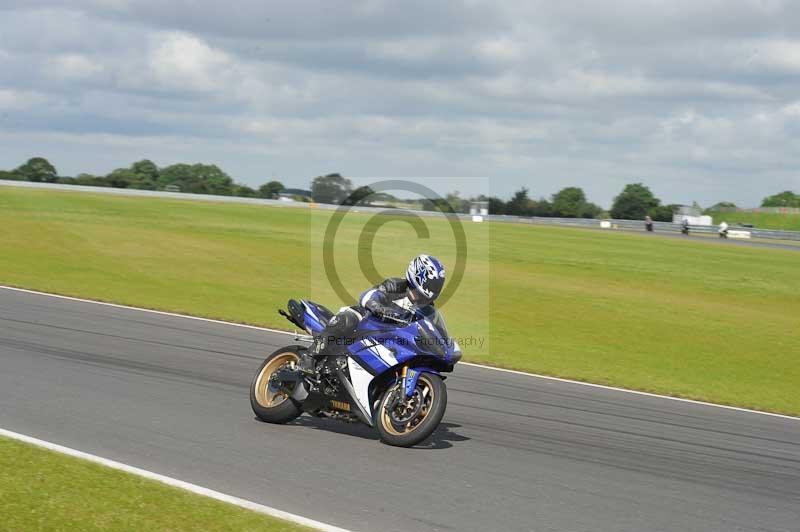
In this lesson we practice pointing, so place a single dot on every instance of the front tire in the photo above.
(395, 428)
(269, 403)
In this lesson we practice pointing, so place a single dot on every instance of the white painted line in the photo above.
(636, 392)
(199, 490)
(140, 309)
(533, 375)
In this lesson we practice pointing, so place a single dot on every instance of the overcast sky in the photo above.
(699, 100)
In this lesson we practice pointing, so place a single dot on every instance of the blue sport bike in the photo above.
(387, 375)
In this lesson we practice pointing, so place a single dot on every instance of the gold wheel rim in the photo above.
(428, 396)
(264, 396)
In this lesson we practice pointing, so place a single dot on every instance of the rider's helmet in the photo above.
(425, 276)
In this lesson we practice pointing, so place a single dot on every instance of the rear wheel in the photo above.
(406, 421)
(269, 402)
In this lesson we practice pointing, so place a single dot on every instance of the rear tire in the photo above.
(433, 394)
(269, 404)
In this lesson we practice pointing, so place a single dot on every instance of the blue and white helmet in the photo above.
(425, 275)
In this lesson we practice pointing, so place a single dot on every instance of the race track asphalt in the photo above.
(170, 395)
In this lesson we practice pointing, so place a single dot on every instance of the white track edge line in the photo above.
(127, 307)
(636, 392)
(198, 490)
(492, 368)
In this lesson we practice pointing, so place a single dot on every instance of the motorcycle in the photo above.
(387, 376)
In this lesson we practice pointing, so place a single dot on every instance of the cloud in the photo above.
(15, 100)
(72, 67)
(697, 99)
(777, 54)
(181, 61)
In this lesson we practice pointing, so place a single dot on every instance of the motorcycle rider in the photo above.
(393, 300)
(685, 226)
(723, 229)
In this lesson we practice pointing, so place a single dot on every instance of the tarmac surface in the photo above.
(514, 452)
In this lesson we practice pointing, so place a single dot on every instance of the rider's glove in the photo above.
(393, 285)
(391, 312)
(397, 314)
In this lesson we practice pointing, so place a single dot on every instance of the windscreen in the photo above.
(435, 317)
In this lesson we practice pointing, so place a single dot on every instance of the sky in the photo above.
(698, 100)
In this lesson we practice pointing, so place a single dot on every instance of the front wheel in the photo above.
(406, 421)
(269, 402)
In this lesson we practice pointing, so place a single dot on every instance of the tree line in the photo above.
(634, 202)
(786, 198)
(145, 175)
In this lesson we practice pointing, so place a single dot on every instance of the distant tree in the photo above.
(271, 189)
(662, 213)
(332, 188)
(175, 174)
(569, 202)
(457, 203)
(520, 204)
(37, 169)
(437, 204)
(244, 191)
(90, 180)
(359, 195)
(496, 205)
(591, 210)
(784, 199)
(141, 175)
(383, 196)
(214, 180)
(12, 176)
(542, 208)
(722, 206)
(634, 202)
(197, 179)
(121, 178)
(145, 175)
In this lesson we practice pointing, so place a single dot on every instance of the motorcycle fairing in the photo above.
(315, 316)
(361, 379)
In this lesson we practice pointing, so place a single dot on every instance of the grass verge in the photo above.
(702, 320)
(47, 491)
(761, 220)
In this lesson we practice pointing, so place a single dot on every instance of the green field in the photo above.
(694, 319)
(761, 220)
(47, 491)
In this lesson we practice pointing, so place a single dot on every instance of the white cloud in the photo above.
(793, 109)
(537, 93)
(16, 100)
(182, 61)
(408, 50)
(777, 54)
(73, 67)
(503, 49)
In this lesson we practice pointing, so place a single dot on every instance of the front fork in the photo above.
(410, 376)
(407, 382)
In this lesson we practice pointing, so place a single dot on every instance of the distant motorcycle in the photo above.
(685, 228)
(388, 377)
